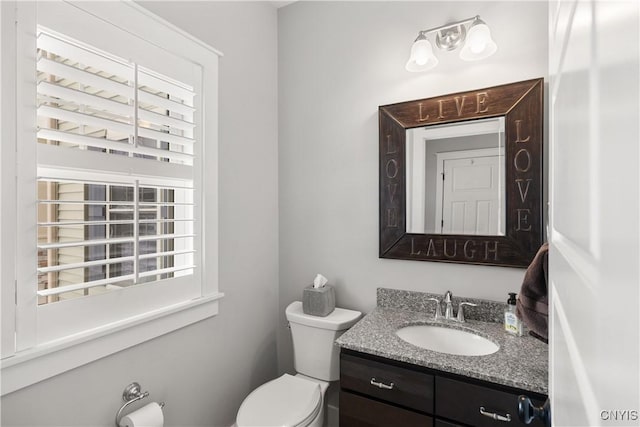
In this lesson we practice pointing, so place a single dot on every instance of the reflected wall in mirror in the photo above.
(461, 176)
(455, 178)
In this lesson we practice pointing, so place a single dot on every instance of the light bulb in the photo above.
(421, 51)
(479, 44)
(422, 57)
(478, 38)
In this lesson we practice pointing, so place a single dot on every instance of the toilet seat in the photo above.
(285, 401)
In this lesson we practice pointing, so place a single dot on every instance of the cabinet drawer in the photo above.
(409, 388)
(462, 402)
(440, 423)
(358, 411)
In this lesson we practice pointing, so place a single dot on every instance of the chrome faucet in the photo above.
(461, 310)
(448, 310)
(438, 311)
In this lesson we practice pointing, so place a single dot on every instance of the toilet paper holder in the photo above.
(132, 393)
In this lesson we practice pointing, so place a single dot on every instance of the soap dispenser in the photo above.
(512, 324)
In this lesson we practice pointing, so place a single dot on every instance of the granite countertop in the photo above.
(521, 362)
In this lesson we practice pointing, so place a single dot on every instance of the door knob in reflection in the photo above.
(528, 412)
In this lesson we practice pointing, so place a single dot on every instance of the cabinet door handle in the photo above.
(381, 385)
(505, 418)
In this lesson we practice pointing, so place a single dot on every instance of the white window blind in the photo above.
(103, 227)
(89, 99)
(110, 159)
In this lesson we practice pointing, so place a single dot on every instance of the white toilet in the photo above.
(298, 401)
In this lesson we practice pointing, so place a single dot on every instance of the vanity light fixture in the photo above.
(472, 33)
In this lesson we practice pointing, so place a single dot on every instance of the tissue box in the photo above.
(318, 301)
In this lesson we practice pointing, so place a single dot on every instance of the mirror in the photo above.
(461, 176)
(455, 178)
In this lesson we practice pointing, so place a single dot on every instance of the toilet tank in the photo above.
(314, 352)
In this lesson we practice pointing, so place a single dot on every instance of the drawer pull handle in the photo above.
(505, 418)
(381, 385)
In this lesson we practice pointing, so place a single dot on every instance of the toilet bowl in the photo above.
(295, 401)
(299, 401)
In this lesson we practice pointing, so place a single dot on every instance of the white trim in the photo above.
(84, 285)
(60, 319)
(104, 11)
(131, 36)
(92, 141)
(7, 175)
(64, 163)
(27, 299)
(461, 129)
(416, 183)
(206, 176)
(174, 28)
(34, 365)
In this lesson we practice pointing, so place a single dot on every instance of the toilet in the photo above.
(298, 401)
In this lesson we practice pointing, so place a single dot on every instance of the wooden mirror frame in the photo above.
(521, 104)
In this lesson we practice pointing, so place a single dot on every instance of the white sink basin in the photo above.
(447, 340)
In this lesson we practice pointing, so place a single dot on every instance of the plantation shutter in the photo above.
(116, 205)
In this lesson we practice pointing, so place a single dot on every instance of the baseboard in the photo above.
(332, 419)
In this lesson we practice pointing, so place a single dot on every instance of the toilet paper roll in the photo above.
(149, 415)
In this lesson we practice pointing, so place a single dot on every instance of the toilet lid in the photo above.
(285, 401)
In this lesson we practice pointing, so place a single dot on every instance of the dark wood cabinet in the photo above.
(441, 423)
(375, 391)
(360, 411)
(473, 404)
(383, 381)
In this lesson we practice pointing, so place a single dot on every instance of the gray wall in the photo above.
(298, 147)
(338, 61)
(205, 370)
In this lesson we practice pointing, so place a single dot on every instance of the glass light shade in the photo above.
(479, 44)
(422, 57)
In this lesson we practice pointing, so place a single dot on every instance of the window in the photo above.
(115, 124)
(97, 236)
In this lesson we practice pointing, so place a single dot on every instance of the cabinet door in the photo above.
(358, 411)
(406, 387)
(477, 405)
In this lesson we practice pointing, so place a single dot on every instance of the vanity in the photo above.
(386, 381)
(460, 181)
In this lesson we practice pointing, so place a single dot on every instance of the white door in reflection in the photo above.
(471, 192)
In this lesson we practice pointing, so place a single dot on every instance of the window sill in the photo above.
(34, 365)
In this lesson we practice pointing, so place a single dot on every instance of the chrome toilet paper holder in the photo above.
(132, 393)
